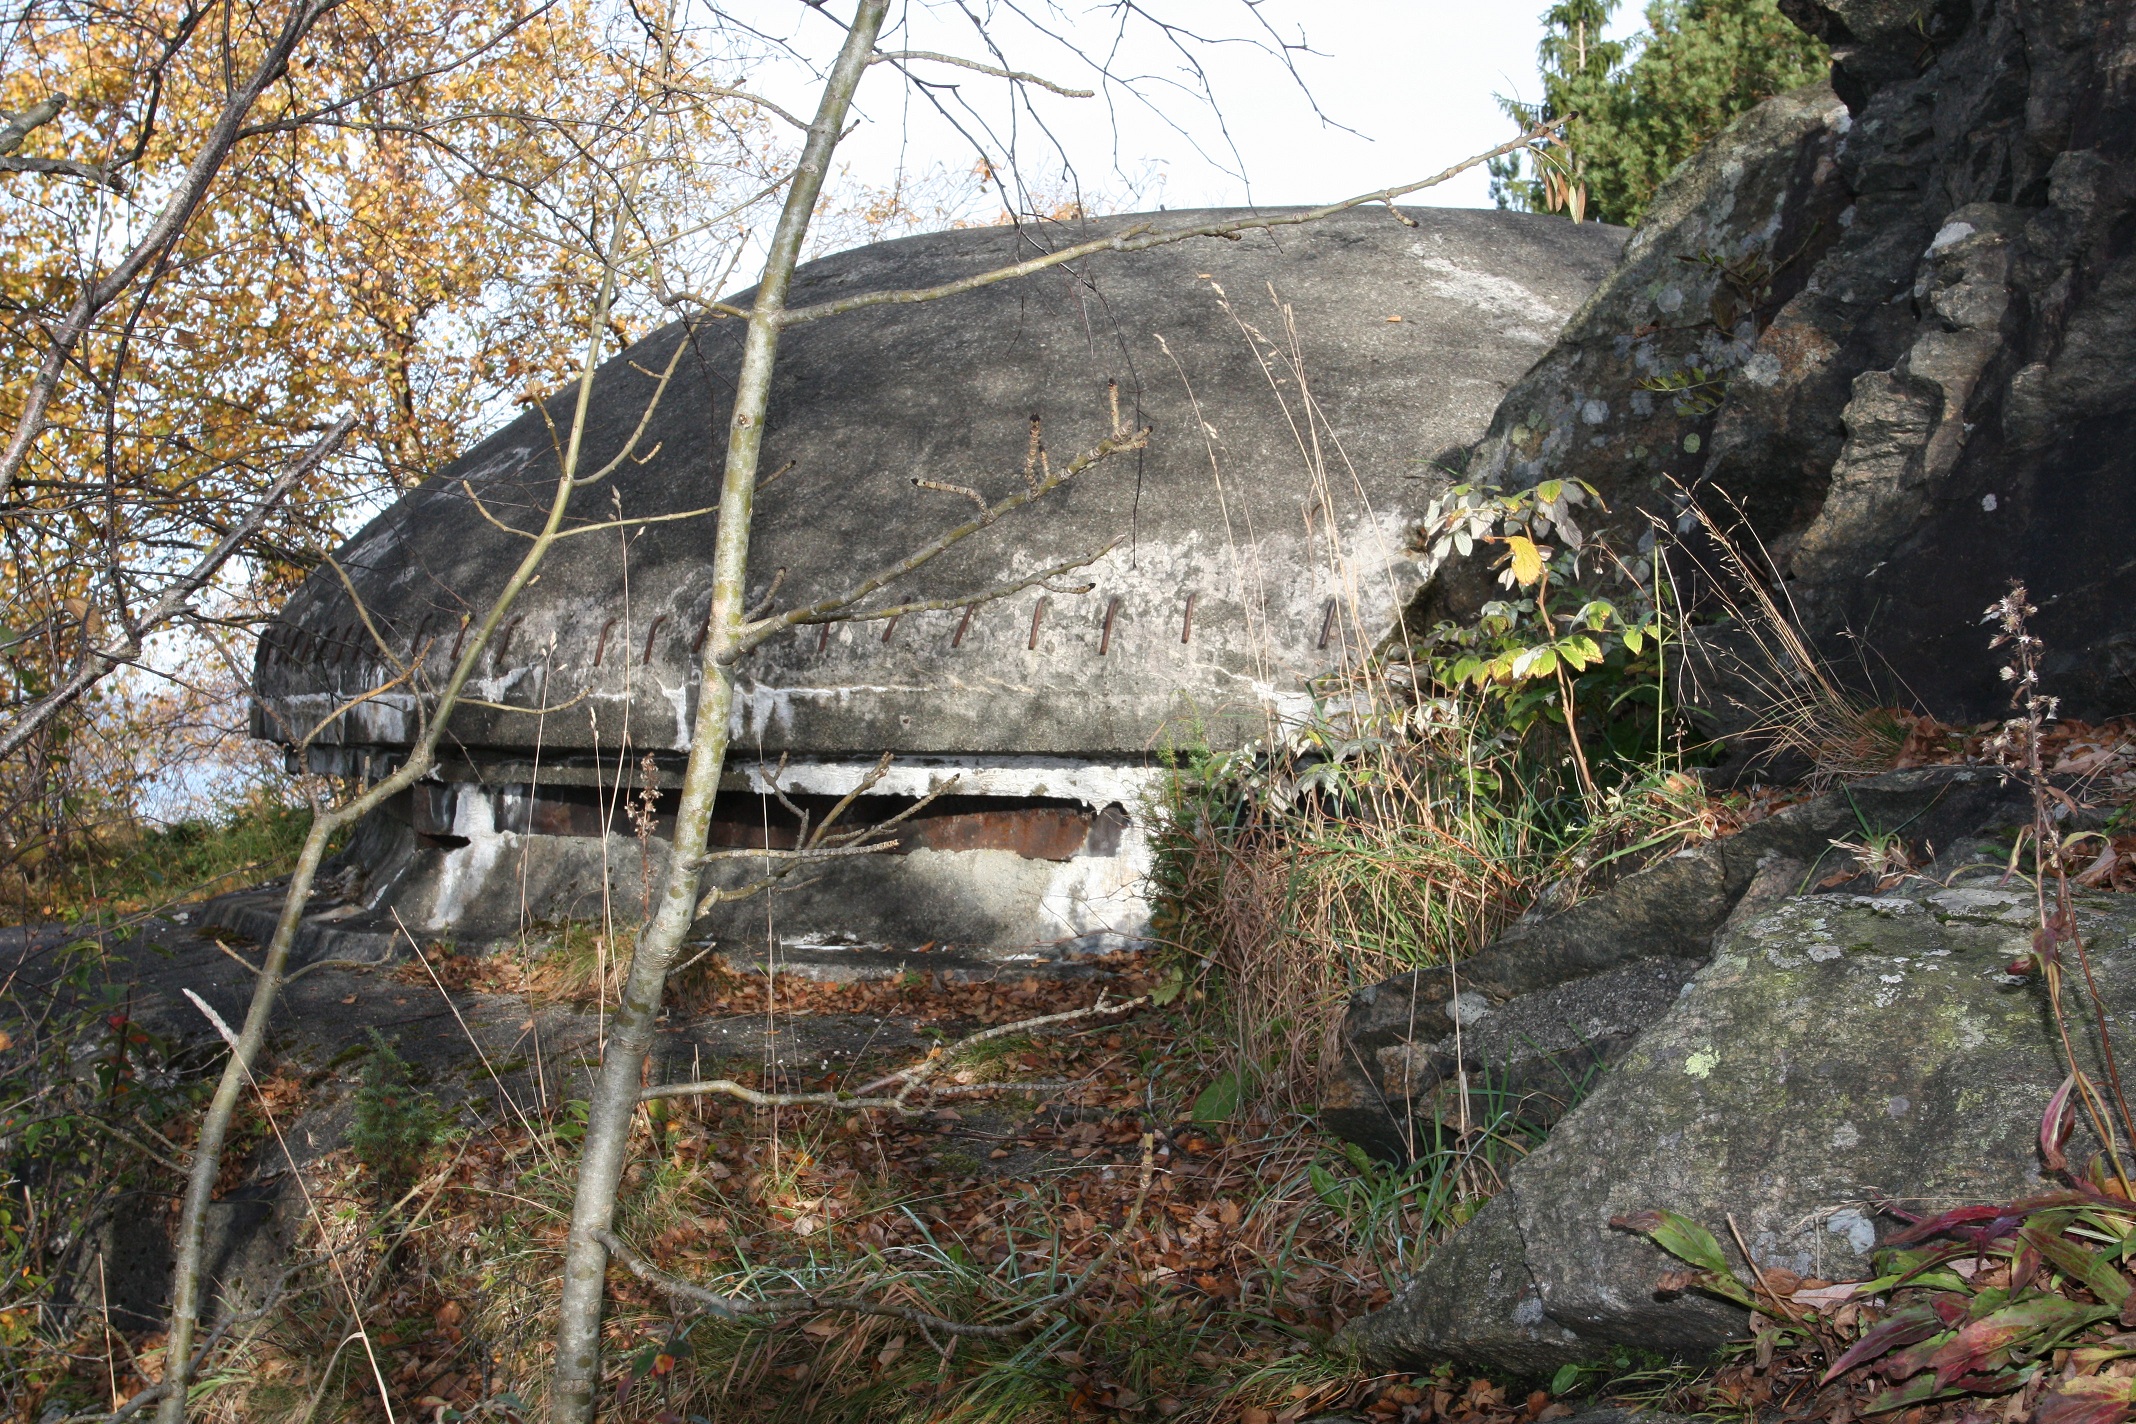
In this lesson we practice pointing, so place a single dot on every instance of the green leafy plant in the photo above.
(1569, 640)
(2028, 1299)
(1698, 391)
(1433, 792)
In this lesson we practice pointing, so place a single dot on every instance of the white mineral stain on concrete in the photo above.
(759, 708)
(467, 873)
(1095, 784)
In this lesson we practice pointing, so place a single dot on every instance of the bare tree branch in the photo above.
(381, 690)
(34, 117)
(63, 168)
(326, 821)
(95, 666)
(171, 221)
(613, 1099)
(1147, 235)
(913, 1077)
(834, 609)
(820, 844)
(973, 599)
(900, 56)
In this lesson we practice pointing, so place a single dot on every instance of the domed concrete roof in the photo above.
(1301, 387)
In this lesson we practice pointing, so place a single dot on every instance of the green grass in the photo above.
(1382, 840)
(130, 868)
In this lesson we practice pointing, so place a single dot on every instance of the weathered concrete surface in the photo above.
(1261, 539)
(1405, 337)
(1559, 995)
(1047, 877)
(1901, 320)
(1838, 1051)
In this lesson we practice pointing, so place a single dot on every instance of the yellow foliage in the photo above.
(1527, 559)
(400, 233)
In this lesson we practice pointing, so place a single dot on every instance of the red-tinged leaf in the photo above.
(1979, 1348)
(1923, 1387)
(1924, 1271)
(2034, 1325)
(2001, 1382)
(1914, 1359)
(2054, 1409)
(2057, 1123)
(2080, 1263)
(2023, 1268)
(1985, 1223)
(1918, 1390)
(1947, 1223)
(1908, 1326)
(2090, 1400)
(2044, 940)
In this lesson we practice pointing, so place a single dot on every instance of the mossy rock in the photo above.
(1838, 1052)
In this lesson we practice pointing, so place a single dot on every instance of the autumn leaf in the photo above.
(1527, 559)
(1911, 1325)
(2093, 1399)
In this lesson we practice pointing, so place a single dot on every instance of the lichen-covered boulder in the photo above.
(1838, 1052)
(1530, 1019)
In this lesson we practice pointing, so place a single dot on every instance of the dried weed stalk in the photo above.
(2017, 746)
(1776, 677)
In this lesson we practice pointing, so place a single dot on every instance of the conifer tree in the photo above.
(1637, 109)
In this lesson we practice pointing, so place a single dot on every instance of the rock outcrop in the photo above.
(1528, 1022)
(1893, 318)
(1838, 1051)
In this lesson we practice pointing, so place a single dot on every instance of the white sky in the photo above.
(1414, 79)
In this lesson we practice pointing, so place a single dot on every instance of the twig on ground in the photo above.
(913, 1077)
(1816, 1340)
(291, 978)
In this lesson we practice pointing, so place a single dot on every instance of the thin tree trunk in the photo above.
(244, 1051)
(615, 1094)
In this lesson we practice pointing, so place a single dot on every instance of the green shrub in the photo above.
(397, 1123)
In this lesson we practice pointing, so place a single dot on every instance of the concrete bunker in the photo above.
(1306, 389)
